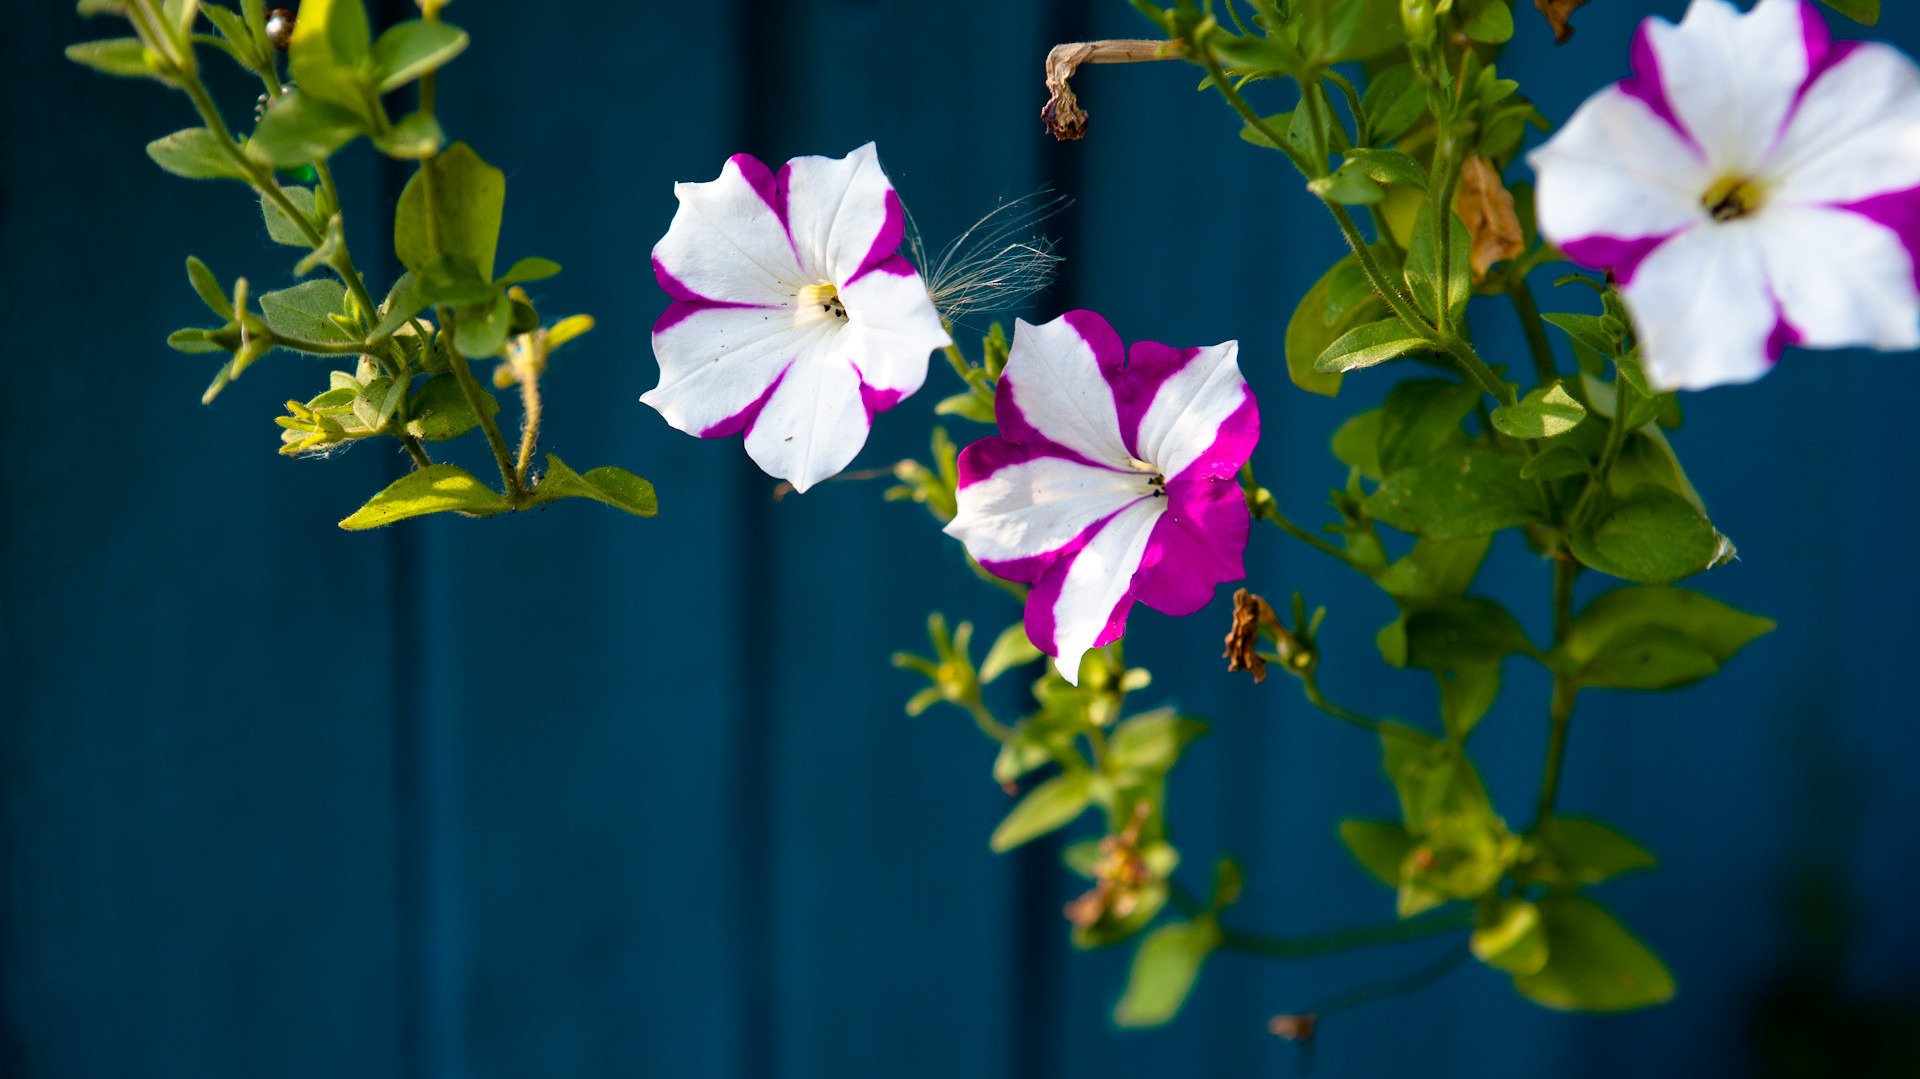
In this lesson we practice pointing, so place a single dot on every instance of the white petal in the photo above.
(892, 327)
(815, 423)
(1732, 79)
(1702, 309)
(1062, 392)
(1038, 506)
(836, 208)
(717, 361)
(1098, 580)
(1184, 419)
(1857, 133)
(1617, 170)
(727, 244)
(1841, 279)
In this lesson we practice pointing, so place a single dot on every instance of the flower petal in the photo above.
(726, 242)
(892, 327)
(843, 214)
(1841, 279)
(1732, 79)
(1195, 393)
(1019, 508)
(1055, 387)
(1081, 602)
(1197, 544)
(1614, 172)
(816, 420)
(1701, 306)
(717, 363)
(1856, 134)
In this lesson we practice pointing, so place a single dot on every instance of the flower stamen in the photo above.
(819, 300)
(1732, 198)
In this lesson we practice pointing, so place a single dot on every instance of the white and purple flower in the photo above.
(794, 317)
(1113, 480)
(1754, 184)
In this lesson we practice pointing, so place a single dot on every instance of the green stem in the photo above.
(1565, 689)
(1411, 982)
(530, 423)
(1535, 329)
(1388, 289)
(463, 374)
(1433, 924)
(1310, 685)
(1477, 368)
(988, 725)
(1309, 538)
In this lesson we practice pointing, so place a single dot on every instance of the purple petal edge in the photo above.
(882, 253)
(743, 420)
(1648, 85)
(1899, 213)
(1620, 256)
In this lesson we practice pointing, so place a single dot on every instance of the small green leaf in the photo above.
(195, 153)
(415, 136)
(1379, 847)
(1461, 634)
(968, 405)
(1557, 462)
(528, 269)
(439, 411)
(1577, 851)
(471, 195)
(282, 229)
(1434, 571)
(305, 312)
(1152, 742)
(1330, 308)
(1389, 167)
(1545, 413)
(1491, 25)
(1866, 12)
(1454, 495)
(614, 486)
(1047, 807)
(1395, 101)
(1421, 417)
(207, 287)
(1357, 443)
(413, 48)
(1467, 693)
(1432, 288)
(1653, 536)
(1348, 185)
(122, 57)
(1366, 346)
(482, 331)
(330, 52)
(1655, 638)
(1164, 969)
(1592, 332)
(440, 488)
(1514, 940)
(299, 130)
(1593, 963)
(1011, 649)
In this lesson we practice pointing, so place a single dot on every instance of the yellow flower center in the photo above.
(1733, 197)
(819, 300)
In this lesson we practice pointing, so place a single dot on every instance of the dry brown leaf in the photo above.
(1062, 114)
(1250, 612)
(1557, 13)
(1485, 206)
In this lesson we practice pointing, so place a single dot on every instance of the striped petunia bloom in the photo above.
(1754, 184)
(794, 317)
(1113, 480)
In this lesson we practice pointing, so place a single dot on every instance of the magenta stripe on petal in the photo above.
(1619, 255)
(1233, 445)
(1149, 365)
(1015, 427)
(1898, 211)
(897, 265)
(1648, 85)
(877, 400)
(1196, 545)
(893, 229)
(1048, 575)
(744, 419)
(1784, 333)
(761, 179)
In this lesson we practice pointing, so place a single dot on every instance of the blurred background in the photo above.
(578, 794)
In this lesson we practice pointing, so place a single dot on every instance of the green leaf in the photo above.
(415, 136)
(207, 287)
(330, 54)
(1432, 289)
(529, 269)
(1366, 346)
(482, 331)
(299, 130)
(1454, 495)
(1430, 776)
(1492, 24)
(195, 153)
(1348, 185)
(1421, 417)
(304, 312)
(614, 486)
(1580, 852)
(235, 30)
(440, 488)
(1597, 334)
(1047, 807)
(1866, 12)
(1152, 742)
(1395, 101)
(282, 229)
(123, 57)
(413, 48)
(1357, 443)
(1330, 308)
(968, 405)
(1556, 462)
(1653, 536)
(1389, 167)
(1379, 847)
(1545, 413)
(1593, 963)
(1164, 969)
(470, 195)
(439, 411)
(1435, 570)
(1514, 940)
(1655, 638)
(1467, 693)
(1462, 634)
(1011, 649)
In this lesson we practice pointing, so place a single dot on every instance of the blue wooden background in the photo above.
(573, 794)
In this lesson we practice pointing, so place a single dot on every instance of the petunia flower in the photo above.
(794, 318)
(1112, 480)
(1753, 185)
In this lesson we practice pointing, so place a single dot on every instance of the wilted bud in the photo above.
(1250, 612)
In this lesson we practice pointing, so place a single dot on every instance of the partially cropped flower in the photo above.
(1753, 185)
(1112, 480)
(794, 318)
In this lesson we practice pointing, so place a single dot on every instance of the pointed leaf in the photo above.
(1374, 343)
(195, 153)
(1164, 969)
(614, 486)
(413, 48)
(1379, 847)
(1047, 807)
(469, 197)
(1593, 963)
(440, 488)
(123, 57)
